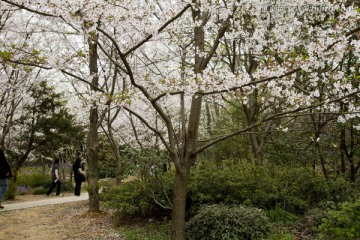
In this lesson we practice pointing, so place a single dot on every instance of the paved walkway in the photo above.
(44, 202)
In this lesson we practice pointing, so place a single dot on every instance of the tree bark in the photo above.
(116, 150)
(179, 204)
(182, 166)
(93, 138)
(208, 118)
(92, 171)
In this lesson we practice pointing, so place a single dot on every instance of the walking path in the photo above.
(44, 202)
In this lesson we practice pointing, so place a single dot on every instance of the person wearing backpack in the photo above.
(79, 175)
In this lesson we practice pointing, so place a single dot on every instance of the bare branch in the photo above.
(111, 58)
(149, 126)
(62, 70)
(21, 6)
(159, 30)
(275, 116)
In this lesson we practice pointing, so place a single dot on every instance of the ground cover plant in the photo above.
(293, 198)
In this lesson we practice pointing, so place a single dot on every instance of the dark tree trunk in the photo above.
(182, 166)
(179, 204)
(93, 138)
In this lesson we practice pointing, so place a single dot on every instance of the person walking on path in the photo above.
(5, 173)
(79, 175)
(55, 178)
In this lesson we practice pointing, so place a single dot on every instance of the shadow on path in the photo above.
(44, 202)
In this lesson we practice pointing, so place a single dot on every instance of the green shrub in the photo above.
(11, 191)
(150, 231)
(136, 198)
(278, 215)
(40, 190)
(31, 180)
(237, 184)
(300, 188)
(129, 199)
(341, 190)
(309, 223)
(217, 222)
(281, 236)
(66, 186)
(343, 224)
(293, 189)
(107, 164)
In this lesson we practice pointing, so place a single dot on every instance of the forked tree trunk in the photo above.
(182, 161)
(182, 166)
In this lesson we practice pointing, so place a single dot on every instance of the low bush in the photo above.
(22, 190)
(293, 189)
(217, 222)
(210, 184)
(278, 215)
(153, 230)
(129, 199)
(10, 193)
(281, 236)
(342, 224)
(140, 198)
(341, 190)
(39, 190)
(66, 186)
(308, 224)
(300, 188)
(31, 180)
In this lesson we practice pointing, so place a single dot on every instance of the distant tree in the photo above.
(45, 125)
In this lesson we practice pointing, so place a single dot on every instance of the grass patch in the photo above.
(281, 236)
(148, 231)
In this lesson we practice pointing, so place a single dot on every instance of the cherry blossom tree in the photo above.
(170, 52)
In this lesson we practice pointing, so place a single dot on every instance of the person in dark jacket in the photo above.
(55, 178)
(5, 173)
(79, 175)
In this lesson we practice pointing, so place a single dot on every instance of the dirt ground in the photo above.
(69, 221)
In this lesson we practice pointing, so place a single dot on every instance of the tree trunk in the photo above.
(181, 180)
(118, 170)
(116, 150)
(183, 163)
(342, 149)
(182, 166)
(179, 204)
(93, 138)
(352, 174)
(92, 171)
(257, 150)
(208, 118)
(322, 160)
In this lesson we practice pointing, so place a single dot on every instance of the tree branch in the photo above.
(275, 116)
(21, 6)
(159, 30)
(62, 70)
(111, 58)
(148, 126)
